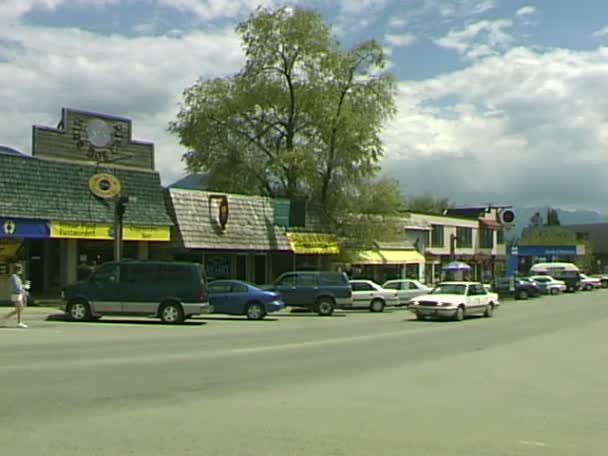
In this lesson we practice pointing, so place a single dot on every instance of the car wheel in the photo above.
(255, 311)
(459, 315)
(419, 316)
(377, 305)
(325, 307)
(171, 313)
(554, 291)
(489, 311)
(589, 287)
(522, 294)
(79, 311)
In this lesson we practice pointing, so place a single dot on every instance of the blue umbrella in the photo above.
(456, 266)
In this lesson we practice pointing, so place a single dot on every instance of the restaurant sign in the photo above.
(105, 231)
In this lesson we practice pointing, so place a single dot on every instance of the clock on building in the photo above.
(99, 133)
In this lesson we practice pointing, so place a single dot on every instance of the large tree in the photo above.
(427, 203)
(301, 119)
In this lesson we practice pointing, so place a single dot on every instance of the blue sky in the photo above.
(499, 100)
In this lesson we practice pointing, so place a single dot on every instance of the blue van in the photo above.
(172, 291)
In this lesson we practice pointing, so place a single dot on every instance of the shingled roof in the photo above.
(250, 222)
(46, 189)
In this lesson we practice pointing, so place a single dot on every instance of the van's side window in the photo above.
(108, 273)
(174, 274)
(138, 273)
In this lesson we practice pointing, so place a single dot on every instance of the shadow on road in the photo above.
(234, 318)
(114, 321)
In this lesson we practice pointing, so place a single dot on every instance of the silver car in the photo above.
(407, 289)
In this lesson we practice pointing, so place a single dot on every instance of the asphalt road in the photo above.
(530, 381)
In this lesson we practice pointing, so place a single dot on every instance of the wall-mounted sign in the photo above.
(104, 185)
(105, 231)
(9, 249)
(313, 243)
(92, 137)
(23, 228)
(219, 210)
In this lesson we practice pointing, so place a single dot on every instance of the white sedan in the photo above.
(367, 294)
(407, 289)
(590, 283)
(548, 284)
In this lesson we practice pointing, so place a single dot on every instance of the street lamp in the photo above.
(119, 212)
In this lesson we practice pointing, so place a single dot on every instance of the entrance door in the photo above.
(260, 269)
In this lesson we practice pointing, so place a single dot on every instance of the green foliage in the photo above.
(371, 214)
(548, 235)
(586, 262)
(552, 217)
(302, 119)
(427, 204)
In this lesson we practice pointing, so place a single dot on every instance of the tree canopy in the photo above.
(427, 204)
(302, 119)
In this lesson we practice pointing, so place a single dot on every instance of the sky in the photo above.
(499, 101)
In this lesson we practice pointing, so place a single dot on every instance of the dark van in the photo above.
(319, 291)
(172, 291)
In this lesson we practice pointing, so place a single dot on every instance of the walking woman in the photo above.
(18, 296)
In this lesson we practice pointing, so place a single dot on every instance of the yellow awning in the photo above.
(313, 243)
(386, 257)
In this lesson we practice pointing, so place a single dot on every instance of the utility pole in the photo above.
(119, 212)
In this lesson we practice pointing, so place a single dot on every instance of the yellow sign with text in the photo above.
(105, 231)
(9, 248)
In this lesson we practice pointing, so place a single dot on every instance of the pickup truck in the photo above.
(455, 300)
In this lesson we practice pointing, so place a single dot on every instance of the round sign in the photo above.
(507, 216)
(104, 185)
(99, 133)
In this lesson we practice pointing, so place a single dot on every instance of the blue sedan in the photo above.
(235, 297)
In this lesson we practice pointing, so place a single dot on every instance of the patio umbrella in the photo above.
(456, 266)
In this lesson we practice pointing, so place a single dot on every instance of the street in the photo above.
(530, 381)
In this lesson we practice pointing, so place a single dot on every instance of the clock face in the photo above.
(99, 133)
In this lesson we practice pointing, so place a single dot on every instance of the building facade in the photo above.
(58, 210)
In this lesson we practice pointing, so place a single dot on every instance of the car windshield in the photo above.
(450, 288)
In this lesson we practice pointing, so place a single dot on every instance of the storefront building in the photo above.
(57, 211)
(522, 257)
(250, 238)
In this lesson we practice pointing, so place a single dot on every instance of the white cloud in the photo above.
(398, 22)
(524, 126)
(400, 40)
(141, 78)
(526, 11)
(601, 33)
(463, 7)
(212, 9)
(479, 39)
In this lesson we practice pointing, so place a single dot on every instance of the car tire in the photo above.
(325, 307)
(554, 291)
(255, 311)
(489, 313)
(588, 287)
(419, 316)
(377, 305)
(522, 294)
(79, 311)
(459, 315)
(171, 313)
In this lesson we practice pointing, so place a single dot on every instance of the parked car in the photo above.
(568, 273)
(590, 283)
(407, 289)
(235, 297)
(549, 285)
(516, 287)
(172, 291)
(319, 291)
(368, 294)
(455, 300)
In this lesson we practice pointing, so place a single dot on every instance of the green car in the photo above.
(172, 291)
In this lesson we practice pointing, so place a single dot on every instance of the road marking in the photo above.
(199, 354)
(538, 444)
(320, 343)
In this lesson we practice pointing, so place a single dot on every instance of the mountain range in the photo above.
(566, 217)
